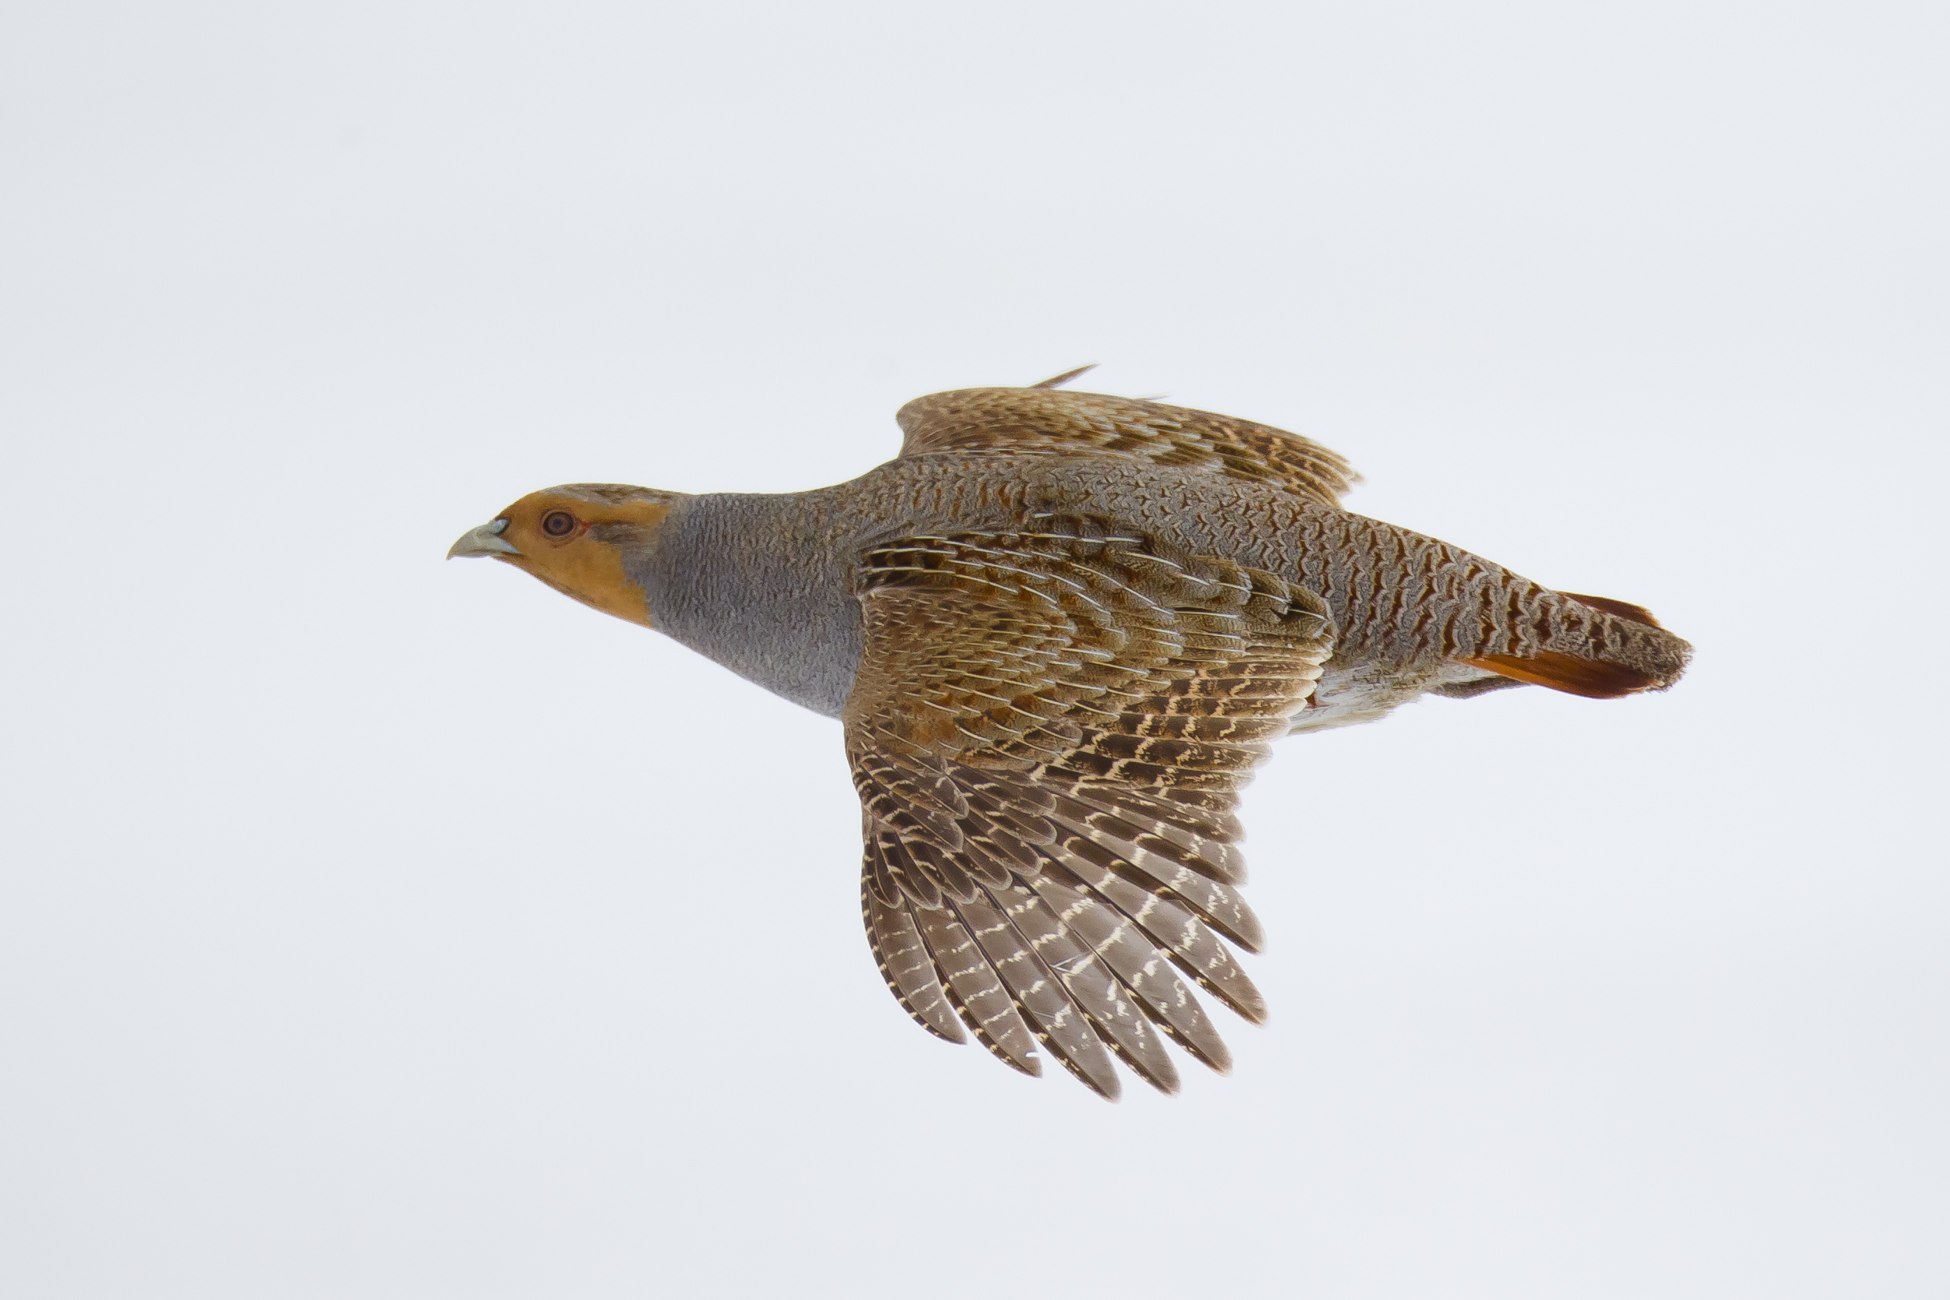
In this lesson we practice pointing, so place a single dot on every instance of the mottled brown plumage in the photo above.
(1060, 630)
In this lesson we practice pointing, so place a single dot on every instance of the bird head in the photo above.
(577, 539)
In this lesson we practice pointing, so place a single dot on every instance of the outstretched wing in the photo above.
(1048, 733)
(1041, 419)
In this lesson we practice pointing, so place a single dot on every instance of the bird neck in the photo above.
(758, 582)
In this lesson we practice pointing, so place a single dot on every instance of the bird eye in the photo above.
(558, 523)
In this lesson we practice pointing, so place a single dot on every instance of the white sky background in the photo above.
(376, 927)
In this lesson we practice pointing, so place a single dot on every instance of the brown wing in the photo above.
(1041, 419)
(1048, 733)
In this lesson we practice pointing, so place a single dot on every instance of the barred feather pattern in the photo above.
(1032, 420)
(1048, 732)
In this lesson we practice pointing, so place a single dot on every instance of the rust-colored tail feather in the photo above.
(1595, 679)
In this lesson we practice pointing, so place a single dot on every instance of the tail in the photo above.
(1591, 646)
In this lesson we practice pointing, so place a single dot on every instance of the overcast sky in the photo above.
(375, 927)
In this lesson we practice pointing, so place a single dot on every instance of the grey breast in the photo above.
(759, 584)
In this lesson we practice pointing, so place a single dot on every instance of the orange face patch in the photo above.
(576, 539)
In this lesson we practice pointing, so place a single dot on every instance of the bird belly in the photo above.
(1353, 691)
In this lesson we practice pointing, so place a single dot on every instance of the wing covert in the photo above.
(1046, 421)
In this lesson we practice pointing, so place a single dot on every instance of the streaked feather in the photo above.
(1042, 998)
(908, 967)
(976, 989)
(1140, 966)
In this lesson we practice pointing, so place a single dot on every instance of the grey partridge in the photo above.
(1060, 630)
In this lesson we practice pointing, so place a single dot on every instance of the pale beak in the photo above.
(485, 540)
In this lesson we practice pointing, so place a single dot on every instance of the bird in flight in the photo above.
(1060, 630)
